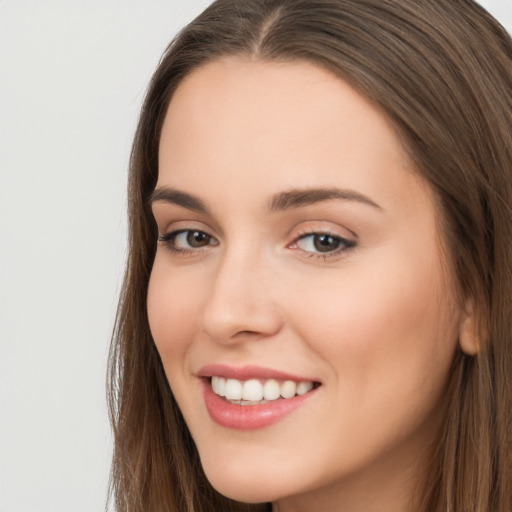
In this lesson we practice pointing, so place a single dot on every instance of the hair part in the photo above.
(441, 72)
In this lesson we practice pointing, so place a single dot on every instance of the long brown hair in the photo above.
(441, 71)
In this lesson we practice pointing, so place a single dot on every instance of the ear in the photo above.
(469, 338)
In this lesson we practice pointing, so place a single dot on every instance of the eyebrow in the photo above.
(282, 201)
(304, 197)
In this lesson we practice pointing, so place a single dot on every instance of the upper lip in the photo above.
(244, 373)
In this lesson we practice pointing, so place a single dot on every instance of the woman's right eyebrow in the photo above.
(179, 198)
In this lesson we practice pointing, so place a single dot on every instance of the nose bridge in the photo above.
(240, 299)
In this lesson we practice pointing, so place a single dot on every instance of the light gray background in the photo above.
(72, 76)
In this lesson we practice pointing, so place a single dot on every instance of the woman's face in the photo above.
(299, 257)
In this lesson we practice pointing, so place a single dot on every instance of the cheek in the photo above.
(173, 302)
(387, 342)
(389, 329)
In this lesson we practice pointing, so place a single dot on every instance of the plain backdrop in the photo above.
(72, 77)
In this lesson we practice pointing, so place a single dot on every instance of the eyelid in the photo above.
(346, 243)
(168, 238)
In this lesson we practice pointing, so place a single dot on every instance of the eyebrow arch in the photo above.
(173, 196)
(304, 197)
(282, 201)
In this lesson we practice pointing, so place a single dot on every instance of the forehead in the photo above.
(235, 121)
(271, 96)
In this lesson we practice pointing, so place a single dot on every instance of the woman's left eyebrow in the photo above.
(303, 197)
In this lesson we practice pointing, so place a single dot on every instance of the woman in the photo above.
(316, 313)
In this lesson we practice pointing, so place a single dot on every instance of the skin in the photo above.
(376, 324)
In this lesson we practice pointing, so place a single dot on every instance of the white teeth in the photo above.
(288, 389)
(271, 390)
(219, 385)
(233, 389)
(304, 387)
(254, 391)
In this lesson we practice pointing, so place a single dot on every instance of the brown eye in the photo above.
(187, 240)
(198, 238)
(323, 243)
(326, 243)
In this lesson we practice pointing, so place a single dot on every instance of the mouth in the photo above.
(252, 397)
(259, 391)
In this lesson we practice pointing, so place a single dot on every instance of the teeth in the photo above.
(252, 390)
(219, 386)
(255, 391)
(233, 389)
(271, 390)
(288, 389)
(304, 387)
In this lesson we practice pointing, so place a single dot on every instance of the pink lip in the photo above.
(248, 372)
(248, 417)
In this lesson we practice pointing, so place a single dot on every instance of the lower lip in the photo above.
(250, 417)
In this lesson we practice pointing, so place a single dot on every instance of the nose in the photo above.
(241, 302)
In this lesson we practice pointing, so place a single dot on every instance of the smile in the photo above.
(258, 391)
(252, 397)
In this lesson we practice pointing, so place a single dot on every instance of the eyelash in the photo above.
(343, 244)
(168, 240)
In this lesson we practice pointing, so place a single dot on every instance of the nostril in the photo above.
(248, 334)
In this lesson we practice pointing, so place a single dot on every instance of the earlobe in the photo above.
(469, 337)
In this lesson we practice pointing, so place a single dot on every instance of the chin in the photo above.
(243, 491)
(245, 485)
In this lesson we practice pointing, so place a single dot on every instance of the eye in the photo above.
(187, 240)
(322, 243)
